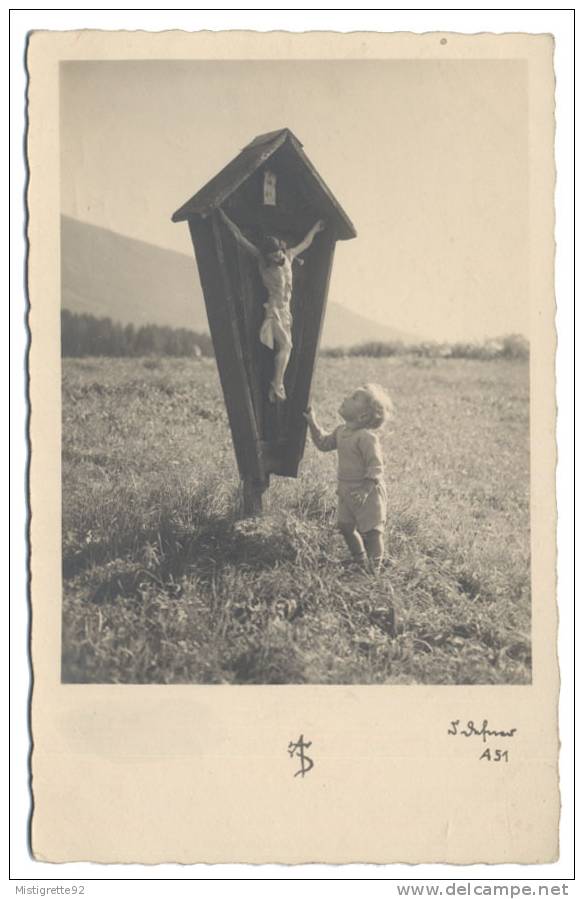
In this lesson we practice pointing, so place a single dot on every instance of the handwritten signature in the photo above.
(470, 729)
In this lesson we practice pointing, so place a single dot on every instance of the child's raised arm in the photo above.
(322, 441)
(241, 240)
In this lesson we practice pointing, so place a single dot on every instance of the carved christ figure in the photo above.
(275, 265)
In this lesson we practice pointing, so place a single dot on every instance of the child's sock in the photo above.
(355, 544)
(373, 541)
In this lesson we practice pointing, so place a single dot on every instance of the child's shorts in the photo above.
(370, 516)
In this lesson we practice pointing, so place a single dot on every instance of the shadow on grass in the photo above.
(169, 555)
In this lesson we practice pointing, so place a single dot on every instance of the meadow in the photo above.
(164, 583)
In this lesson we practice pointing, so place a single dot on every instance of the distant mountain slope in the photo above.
(342, 327)
(107, 274)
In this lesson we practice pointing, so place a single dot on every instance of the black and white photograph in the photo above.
(295, 343)
(292, 393)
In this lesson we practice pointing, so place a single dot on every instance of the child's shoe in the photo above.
(355, 563)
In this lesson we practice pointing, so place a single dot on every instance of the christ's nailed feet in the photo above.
(276, 394)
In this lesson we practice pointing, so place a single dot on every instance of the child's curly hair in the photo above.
(380, 405)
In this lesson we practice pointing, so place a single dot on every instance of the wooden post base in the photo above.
(253, 491)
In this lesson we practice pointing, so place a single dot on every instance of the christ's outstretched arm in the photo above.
(241, 240)
(304, 244)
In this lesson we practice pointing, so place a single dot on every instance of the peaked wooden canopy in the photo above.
(254, 155)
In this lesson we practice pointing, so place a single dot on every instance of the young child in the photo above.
(362, 500)
(274, 260)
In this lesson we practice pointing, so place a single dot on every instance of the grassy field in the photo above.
(163, 583)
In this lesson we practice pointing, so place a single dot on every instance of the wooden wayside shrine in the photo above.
(270, 188)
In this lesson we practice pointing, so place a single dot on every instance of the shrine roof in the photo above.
(248, 161)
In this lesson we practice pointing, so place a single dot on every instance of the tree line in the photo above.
(86, 335)
(509, 346)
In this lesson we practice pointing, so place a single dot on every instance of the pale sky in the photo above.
(428, 159)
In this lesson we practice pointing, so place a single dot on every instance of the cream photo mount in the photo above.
(209, 773)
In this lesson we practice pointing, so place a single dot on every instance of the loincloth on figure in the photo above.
(371, 515)
(276, 326)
